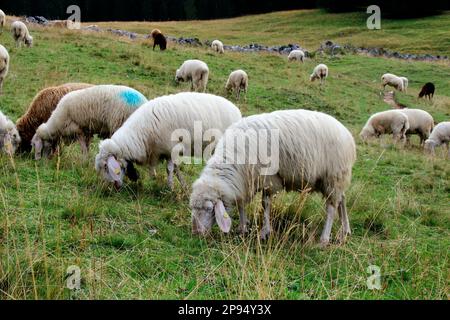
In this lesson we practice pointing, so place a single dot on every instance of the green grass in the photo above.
(310, 28)
(138, 244)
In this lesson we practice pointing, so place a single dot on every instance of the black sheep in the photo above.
(427, 90)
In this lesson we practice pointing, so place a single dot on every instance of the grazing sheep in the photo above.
(386, 122)
(159, 40)
(389, 79)
(314, 151)
(320, 72)
(420, 123)
(439, 136)
(217, 46)
(4, 65)
(21, 34)
(64, 24)
(81, 114)
(40, 110)
(427, 90)
(195, 71)
(9, 137)
(237, 81)
(405, 83)
(2, 21)
(298, 55)
(148, 135)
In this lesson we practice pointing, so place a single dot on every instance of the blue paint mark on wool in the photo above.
(133, 98)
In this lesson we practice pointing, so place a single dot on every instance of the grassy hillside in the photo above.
(138, 243)
(309, 28)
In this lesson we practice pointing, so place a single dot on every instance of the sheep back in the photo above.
(96, 110)
(147, 134)
(41, 109)
(315, 150)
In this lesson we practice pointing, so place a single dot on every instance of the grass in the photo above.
(137, 243)
(310, 28)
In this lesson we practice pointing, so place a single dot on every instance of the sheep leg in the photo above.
(243, 221)
(180, 177)
(344, 219)
(325, 237)
(84, 144)
(266, 229)
(170, 169)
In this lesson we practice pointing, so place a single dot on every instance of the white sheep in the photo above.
(439, 136)
(4, 65)
(320, 72)
(389, 79)
(195, 71)
(9, 136)
(313, 150)
(21, 34)
(80, 114)
(298, 55)
(420, 123)
(237, 81)
(2, 21)
(217, 46)
(152, 133)
(405, 83)
(386, 122)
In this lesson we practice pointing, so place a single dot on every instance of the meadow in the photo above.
(137, 243)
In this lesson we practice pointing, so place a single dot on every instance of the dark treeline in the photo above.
(160, 10)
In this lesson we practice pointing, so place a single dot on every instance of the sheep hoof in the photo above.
(265, 233)
(243, 229)
(324, 243)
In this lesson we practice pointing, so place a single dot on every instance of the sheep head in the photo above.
(9, 140)
(179, 76)
(207, 208)
(110, 165)
(29, 41)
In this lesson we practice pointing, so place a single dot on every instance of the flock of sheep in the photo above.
(315, 150)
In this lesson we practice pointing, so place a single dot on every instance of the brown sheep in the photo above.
(159, 39)
(40, 110)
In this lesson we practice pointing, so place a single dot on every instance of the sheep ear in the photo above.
(222, 217)
(114, 168)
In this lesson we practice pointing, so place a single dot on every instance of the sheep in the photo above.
(217, 46)
(21, 34)
(40, 110)
(298, 55)
(195, 71)
(320, 72)
(405, 83)
(427, 90)
(386, 122)
(9, 137)
(64, 24)
(314, 151)
(393, 81)
(237, 81)
(439, 136)
(2, 21)
(4, 65)
(420, 123)
(159, 39)
(149, 134)
(81, 114)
